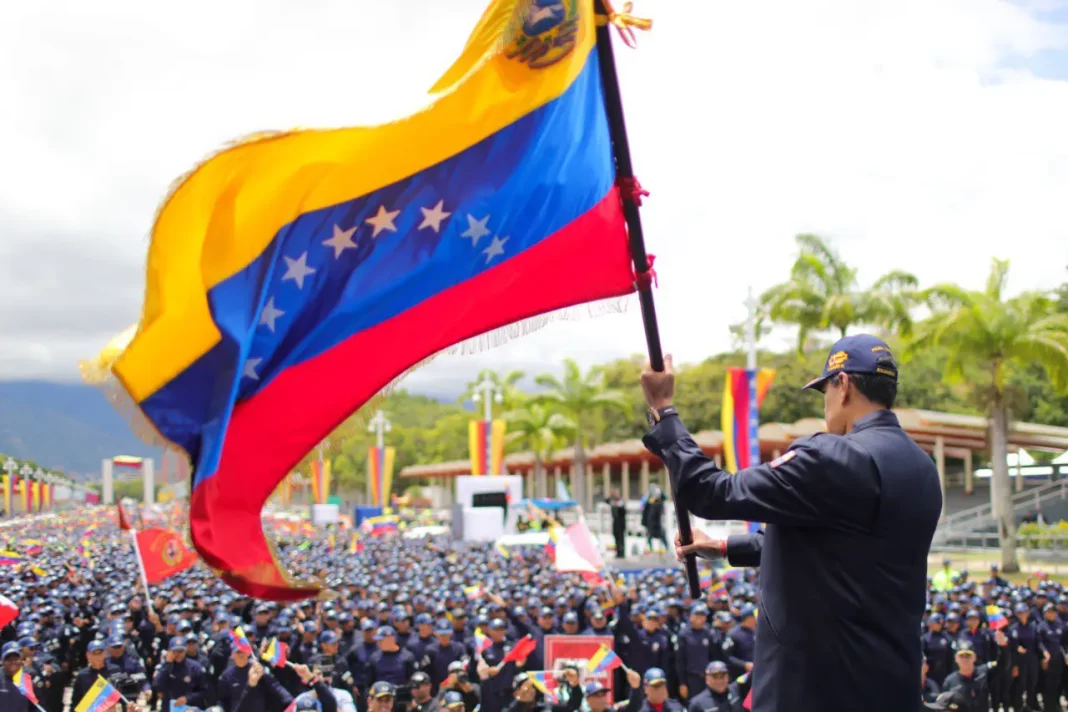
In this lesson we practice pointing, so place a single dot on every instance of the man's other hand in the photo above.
(704, 546)
(659, 386)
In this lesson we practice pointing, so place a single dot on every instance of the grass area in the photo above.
(978, 563)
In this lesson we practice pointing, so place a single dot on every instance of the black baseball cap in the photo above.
(383, 689)
(861, 354)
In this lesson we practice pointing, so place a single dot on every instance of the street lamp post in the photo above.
(751, 305)
(487, 392)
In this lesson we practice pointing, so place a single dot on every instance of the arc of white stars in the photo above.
(476, 229)
(249, 370)
(297, 269)
(433, 217)
(270, 314)
(341, 240)
(495, 249)
(383, 220)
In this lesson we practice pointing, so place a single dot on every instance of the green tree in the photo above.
(538, 429)
(987, 337)
(582, 397)
(821, 294)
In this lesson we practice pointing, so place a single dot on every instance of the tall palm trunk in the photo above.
(541, 487)
(1000, 487)
(578, 479)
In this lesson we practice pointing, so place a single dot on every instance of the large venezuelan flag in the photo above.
(324, 264)
(743, 392)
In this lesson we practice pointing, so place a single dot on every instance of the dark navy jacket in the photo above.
(236, 696)
(843, 559)
(184, 679)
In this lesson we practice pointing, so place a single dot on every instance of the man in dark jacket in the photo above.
(11, 698)
(850, 516)
(246, 686)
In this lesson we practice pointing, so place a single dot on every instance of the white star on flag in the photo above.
(495, 249)
(297, 269)
(383, 220)
(432, 217)
(341, 241)
(270, 314)
(250, 368)
(476, 229)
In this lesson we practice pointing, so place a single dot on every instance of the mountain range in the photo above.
(64, 426)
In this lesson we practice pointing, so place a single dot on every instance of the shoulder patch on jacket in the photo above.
(783, 459)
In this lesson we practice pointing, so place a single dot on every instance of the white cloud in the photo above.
(889, 126)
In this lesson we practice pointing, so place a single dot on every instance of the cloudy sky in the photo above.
(926, 135)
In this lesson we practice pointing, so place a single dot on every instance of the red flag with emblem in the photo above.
(163, 553)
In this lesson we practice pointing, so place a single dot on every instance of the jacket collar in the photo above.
(878, 419)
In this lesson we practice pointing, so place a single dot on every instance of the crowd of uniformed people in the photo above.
(401, 634)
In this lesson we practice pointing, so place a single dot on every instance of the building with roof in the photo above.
(952, 440)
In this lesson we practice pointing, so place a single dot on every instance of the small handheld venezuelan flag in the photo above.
(276, 652)
(280, 266)
(604, 660)
(995, 618)
(482, 643)
(101, 696)
(240, 641)
(24, 684)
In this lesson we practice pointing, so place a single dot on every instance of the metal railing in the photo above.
(972, 519)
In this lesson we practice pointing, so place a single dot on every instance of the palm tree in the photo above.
(822, 295)
(540, 430)
(987, 336)
(580, 397)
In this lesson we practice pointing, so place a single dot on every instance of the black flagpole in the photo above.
(625, 173)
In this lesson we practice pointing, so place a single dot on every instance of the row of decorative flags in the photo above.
(32, 496)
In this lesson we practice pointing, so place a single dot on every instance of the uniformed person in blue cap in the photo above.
(1023, 642)
(938, 649)
(1051, 645)
(178, 681)
(719, 693)
(125, 670)
(392, 664)
(11, 698)
(653, 696)
(442, 652)
(850, 515)
(693, 651)
(333, 667)
(96, 655)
